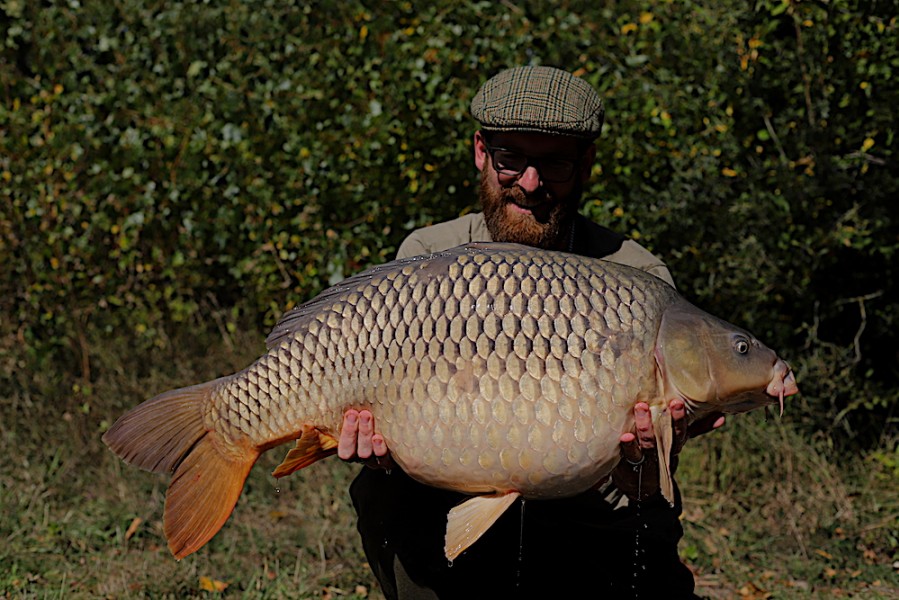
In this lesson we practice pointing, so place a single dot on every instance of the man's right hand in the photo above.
(359, 442)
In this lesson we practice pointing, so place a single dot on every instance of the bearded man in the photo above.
(535, 151)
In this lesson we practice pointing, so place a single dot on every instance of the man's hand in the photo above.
(359, 442)
(637, 474)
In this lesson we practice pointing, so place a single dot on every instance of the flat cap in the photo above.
(539, 99)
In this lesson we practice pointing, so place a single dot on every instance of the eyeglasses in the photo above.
(510, 163)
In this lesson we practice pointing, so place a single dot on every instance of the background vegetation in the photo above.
(174, 175)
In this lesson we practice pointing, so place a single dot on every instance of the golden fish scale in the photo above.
(486, 371)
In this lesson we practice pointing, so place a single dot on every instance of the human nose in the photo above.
(529, 181)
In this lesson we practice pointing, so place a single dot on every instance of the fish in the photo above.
(497, 370)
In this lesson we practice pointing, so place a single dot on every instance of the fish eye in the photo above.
(741, 346)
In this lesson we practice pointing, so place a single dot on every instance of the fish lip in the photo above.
(784, 381)
(783, 384)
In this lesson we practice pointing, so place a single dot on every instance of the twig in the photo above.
(773, 134)
(856, 341)
(888, 520)
(869, 158)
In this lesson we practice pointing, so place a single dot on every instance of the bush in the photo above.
(170, 164)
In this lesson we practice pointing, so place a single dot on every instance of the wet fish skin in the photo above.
(512, 371)
(490, 369)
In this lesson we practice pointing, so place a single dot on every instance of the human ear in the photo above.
(480, 151)
(587, 162)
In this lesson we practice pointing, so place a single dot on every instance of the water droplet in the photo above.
(449, 563)
(520, 546)
(277, 490)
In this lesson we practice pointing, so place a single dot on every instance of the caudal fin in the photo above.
(167, 434)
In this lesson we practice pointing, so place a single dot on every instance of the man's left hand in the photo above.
(637, 474)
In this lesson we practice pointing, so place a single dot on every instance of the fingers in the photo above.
(706, 424)
(632, 445)
(378, 445)
(643, 423)
(635, 476)
(630, 449)
(358, 441)
(363, 439)
(346, 443)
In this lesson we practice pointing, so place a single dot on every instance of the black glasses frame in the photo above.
(546, 166)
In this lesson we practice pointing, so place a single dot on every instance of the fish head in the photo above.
(716, 366)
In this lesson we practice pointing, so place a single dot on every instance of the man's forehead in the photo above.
(536, 144)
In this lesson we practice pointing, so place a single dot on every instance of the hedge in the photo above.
(165, 162)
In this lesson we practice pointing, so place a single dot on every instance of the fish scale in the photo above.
(490, 369)
(497, 326)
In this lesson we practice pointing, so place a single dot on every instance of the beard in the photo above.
(547, 226)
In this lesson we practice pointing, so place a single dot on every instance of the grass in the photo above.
(767, 513)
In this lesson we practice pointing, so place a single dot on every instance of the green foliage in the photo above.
(183, 164)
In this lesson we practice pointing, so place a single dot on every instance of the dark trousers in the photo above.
(573, 547)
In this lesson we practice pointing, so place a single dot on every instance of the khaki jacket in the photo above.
(590, 239)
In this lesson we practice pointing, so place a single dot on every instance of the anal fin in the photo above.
(312, 446)
(466, 523)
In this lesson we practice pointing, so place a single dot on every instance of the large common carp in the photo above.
(496, 370)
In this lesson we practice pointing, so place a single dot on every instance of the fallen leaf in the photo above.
(212, 585)
(132, 529)
(824, 553)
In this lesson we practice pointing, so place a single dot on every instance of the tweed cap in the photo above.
(539, 99)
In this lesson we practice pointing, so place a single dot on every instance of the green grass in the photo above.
(67, 502)
(767, 514)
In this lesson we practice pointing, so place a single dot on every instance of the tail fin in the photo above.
(168, 434)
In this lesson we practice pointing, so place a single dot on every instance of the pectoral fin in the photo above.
(466, 523)
(312, 446)
(664, 433)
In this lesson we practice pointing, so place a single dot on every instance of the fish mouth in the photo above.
(783, 383)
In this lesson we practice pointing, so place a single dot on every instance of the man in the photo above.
(535, 152)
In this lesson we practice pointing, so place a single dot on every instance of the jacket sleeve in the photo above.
(412, 246)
